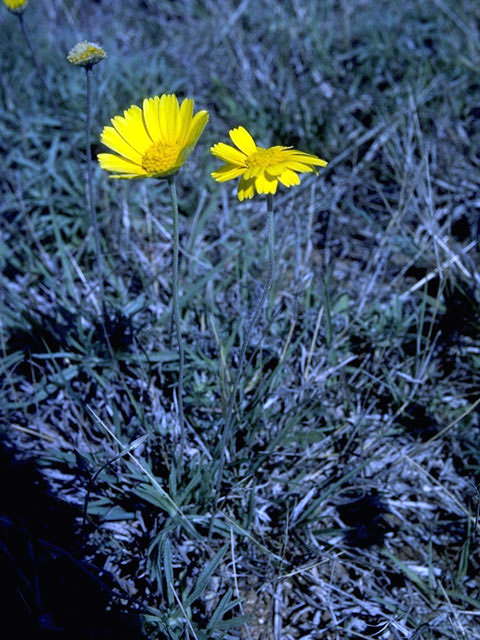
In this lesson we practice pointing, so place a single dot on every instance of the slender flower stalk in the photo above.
(17, 7)
(91, 203)
(176, 314)
(154, 142)
(227, 428)
(260, 171)
(31, 49)
(86, 55)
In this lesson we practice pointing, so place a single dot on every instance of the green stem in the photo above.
(93, 216)
(91, 204)
(227, 429)
(35, 62)
(176, 313)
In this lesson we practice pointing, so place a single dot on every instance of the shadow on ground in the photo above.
(49, 590)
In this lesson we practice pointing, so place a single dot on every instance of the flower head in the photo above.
(16, 6)
(152, 142)
(86, 54)
(260, 169)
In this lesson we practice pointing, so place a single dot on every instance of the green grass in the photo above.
(363, 375)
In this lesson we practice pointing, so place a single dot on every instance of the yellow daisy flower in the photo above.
(261, 169)
(86, 54)
(16, 6)
(152, 142)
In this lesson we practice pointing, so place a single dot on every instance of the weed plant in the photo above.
(349, 498)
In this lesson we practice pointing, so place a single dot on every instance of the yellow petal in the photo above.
(228, 154)
(298, 166)
(123, 176)
(275, 169)
(264, 185)
(112, 139)
(111, 162)
(289, 178)
(168, 116)
(243, 140)
(307, 158)
(246, 189)
(150, 114)
(184, 121)
(132, 129)
(227, 172)
(252, 172)
(183, 155)
(135, 121)
(197, 125)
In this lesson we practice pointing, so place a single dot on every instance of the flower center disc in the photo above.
(160, 157)
(264, 158)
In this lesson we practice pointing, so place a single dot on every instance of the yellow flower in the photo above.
(152, 142)
(16, 6)
(86, 54)
(261, 169)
